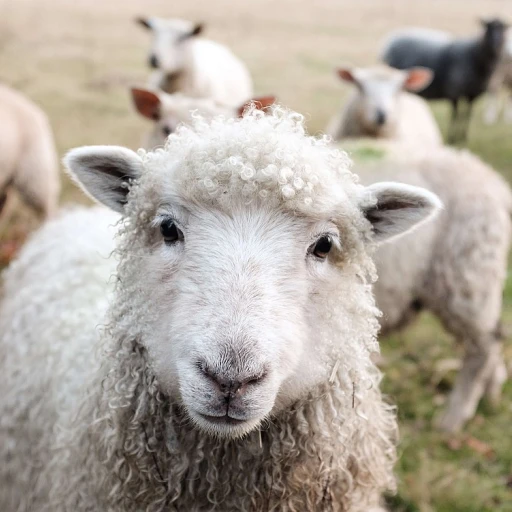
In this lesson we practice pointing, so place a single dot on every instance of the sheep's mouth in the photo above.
(222, 420)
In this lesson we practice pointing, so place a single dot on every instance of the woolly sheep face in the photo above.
(379, 90)
(168, 111)
(170, 37)
(235, 287)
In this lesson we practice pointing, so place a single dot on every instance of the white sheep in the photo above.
(502, 78)
(455, 267)
(197, 67)
(168, 111)
(236, 353)
(380, 107)
(29, 161)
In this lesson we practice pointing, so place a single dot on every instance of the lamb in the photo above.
(29, 162)
(168, 111)
(502, 77)
(379, 107)
(455, 266)
(195, 66)
(236, 351)
(462, 67)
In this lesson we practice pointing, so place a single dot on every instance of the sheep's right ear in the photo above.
(144, 22)
(398, 208)
(147, 103)
(104, 172)
(260, 103)
(417, 79)
(198, 29)
(347, 75)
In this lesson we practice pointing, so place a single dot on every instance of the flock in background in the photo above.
(454, 265)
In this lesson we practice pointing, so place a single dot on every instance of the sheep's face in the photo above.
(247, 294)
(170, 39)
(378, 105)
(232, 296)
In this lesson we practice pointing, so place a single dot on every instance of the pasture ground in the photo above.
(77, 59)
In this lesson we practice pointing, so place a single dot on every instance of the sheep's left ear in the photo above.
(417, 79)
(399, 208)
(198, 29)
(261, 103)
(104, 172)
(147, 103)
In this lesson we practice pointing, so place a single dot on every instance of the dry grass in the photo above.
(76, 59)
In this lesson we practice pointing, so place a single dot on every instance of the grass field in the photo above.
(77, 58)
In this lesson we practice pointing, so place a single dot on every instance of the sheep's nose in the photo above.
(229, 386)
(380, 118)
(153, 61)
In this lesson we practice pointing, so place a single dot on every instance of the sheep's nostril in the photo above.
(380, 118)
(153, 61)
(229, 386)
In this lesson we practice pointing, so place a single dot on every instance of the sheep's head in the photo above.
(378, 92)
(168, 111)
(245, 261)
(170, 37)
(495, 34)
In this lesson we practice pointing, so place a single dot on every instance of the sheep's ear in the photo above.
(198, 29)
(417, 79)
(104, 172)
(147, 103)
(144, 22)
(399, 208)
(260, 103)
(347, 75)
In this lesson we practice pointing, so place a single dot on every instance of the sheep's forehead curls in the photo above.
(258, 157)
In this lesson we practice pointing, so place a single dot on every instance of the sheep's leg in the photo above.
(499, 375)
(508, 107)
(466, 119)
(479, 363)
(452, 130)
(491, 108)
(495, 383)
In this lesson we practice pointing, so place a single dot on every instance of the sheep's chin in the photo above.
(223, 430)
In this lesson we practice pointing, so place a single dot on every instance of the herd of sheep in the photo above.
(207, 338)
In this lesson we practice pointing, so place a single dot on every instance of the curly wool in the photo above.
(132, 448)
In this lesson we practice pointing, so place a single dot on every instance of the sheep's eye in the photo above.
(170, 232)
(166, 131)
(321, 247)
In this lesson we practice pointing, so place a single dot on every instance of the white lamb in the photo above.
(236, 370)
(379, 107)
(195, 66)
(168, 111)
(29, 161)
(455, 267)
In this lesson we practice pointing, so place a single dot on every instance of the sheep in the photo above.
(455, 267)
(195, 66)
(502, 77)
(168, 111)
(462, 67)
(29, 163)
(380, 108)
(233, 370)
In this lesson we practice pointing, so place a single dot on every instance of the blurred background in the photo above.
(77, 59)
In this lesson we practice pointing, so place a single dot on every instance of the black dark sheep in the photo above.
(462, 67)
